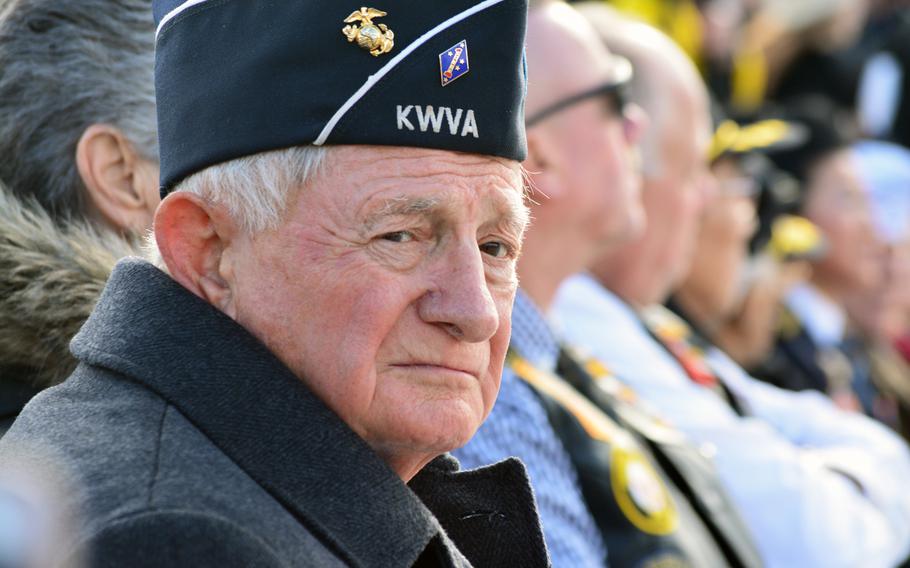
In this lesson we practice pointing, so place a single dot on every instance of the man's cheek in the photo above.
(489, 388)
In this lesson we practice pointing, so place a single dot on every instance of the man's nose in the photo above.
(461, 302)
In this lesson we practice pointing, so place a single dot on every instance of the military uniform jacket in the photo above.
(187, 443)
(796, 362)
(792, 467)
(693, 523)
(654, 499)
(845, 371)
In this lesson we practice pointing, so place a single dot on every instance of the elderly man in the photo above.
(818, 487)
(79, 151)
(338, 243)
(606, 492)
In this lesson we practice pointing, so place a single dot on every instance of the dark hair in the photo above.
(825, 130)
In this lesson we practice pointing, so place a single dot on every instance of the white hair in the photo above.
(253, 189)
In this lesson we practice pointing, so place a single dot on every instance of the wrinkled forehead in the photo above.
(378, 182)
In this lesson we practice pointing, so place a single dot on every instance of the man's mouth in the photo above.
(436, 368)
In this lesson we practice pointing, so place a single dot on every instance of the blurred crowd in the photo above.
(709, 362)
(810, 102)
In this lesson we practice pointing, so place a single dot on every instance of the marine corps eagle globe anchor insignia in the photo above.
(377, 39)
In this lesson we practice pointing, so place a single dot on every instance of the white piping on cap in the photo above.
(384, 70)
(176, 12)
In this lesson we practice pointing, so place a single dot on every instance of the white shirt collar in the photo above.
(824, 320)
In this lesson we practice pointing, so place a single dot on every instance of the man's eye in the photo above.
(495, 249)
(398, 237)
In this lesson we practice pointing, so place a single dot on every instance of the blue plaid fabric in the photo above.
(518, 426)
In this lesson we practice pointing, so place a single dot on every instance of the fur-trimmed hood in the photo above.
(50, 279)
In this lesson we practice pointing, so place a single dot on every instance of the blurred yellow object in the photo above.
(796, 238)
(731, 137)
(750, 79)
(682, 21)
(679, 19)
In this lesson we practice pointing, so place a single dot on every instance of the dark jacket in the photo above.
(796, 362)
(697, 524)
(189, 444)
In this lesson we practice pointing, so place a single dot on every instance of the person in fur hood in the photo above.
(78, 170)
(50, 278)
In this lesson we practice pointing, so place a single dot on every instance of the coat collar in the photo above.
(251, 406)
(14, 394)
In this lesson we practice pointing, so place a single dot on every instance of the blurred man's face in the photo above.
(675, 197)
(883, 311)
(898, 292)
(838, 204)
(598, 166)
(586, 157)
(899, 275)
(388, 290)
(675, 185)
(727, 223)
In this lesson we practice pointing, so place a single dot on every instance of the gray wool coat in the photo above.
(188, 443)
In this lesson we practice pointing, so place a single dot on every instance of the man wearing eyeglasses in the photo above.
(815, 485)
(602, 491)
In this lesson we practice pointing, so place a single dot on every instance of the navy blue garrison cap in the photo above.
(239, 77)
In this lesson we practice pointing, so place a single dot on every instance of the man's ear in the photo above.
(193, 238)
(122, 186)
(543, 166)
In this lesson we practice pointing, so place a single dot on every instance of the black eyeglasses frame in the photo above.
(615, 90)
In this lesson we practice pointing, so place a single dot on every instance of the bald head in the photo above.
(565, 56)
(581, 155)
(674, 148)
(666, 83)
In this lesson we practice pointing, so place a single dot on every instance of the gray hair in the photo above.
(65, 65)
(253, 189)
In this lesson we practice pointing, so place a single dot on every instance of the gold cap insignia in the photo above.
(377, 39)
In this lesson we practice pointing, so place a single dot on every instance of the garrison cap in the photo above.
(239, 77)
(764, 136)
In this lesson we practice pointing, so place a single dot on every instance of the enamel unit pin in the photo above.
(453, 62)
